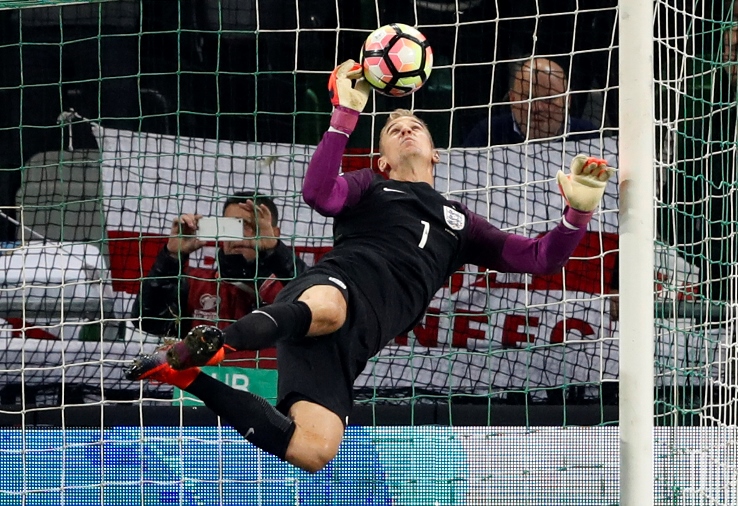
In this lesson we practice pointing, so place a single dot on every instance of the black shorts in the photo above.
(322, 369)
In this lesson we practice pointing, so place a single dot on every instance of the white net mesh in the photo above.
(695, 104)
(191, 101)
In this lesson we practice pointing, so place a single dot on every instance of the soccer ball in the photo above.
(396, 59)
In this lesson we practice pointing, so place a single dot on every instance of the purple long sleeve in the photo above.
(501, 251)
(324, 189)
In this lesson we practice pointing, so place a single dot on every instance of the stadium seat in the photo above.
(60, 200)
(59, 197)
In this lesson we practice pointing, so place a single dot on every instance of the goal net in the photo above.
(122, 115)
(695, 98)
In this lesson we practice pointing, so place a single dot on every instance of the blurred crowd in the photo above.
(244, 70)
(505, 72)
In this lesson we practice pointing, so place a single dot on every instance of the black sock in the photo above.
(252, 416)
(263, 327)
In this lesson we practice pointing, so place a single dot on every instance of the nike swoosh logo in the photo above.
(393, 190)
(267, 315)
(249, 432)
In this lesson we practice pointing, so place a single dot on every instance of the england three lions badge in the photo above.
(454, 219)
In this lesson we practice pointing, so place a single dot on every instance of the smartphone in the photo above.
(220, 228)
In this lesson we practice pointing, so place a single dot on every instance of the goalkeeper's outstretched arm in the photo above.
(582, 190)
(323, 189)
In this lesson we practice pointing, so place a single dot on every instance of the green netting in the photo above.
(20, 4)
(696, 214)
(696, 217)
(118, 116)
(95, 93)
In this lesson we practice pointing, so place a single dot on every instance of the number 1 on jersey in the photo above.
(424, 237)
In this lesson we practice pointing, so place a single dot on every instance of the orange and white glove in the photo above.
(584, 186)
(349, 93)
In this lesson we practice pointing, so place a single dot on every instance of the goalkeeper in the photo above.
(396, 241)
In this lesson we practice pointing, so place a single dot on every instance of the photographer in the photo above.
(175, 297)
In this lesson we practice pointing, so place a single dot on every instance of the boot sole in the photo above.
(136, 371)
(191, 352)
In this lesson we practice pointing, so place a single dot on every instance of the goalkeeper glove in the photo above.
(347, 86)
(584, 186)
(349, 92)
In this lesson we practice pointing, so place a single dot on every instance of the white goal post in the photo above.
(636, 150)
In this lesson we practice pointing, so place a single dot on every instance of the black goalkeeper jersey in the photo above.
(395, 244)
(398, 245)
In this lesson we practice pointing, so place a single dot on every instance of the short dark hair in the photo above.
(240, 197)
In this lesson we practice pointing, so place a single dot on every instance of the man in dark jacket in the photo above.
(175, 297)
(538, 109)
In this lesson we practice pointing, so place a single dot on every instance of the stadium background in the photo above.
(251, 75)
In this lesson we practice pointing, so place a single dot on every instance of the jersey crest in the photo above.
(209, 301)
(454, 219)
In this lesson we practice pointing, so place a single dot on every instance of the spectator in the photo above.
(538, 109)
(250, 272)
